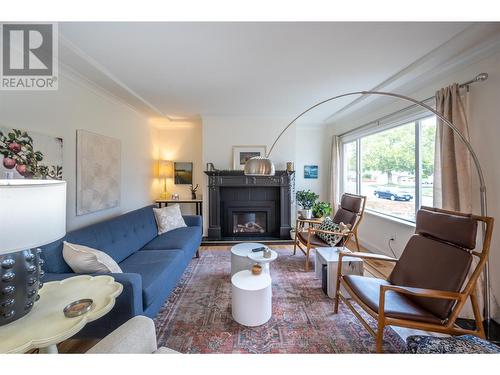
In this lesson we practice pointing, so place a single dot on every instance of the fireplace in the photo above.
(249, 223)
(243, 207)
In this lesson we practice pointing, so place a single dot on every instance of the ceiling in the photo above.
(244, 69)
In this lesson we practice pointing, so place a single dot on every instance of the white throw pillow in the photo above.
(169, 218)
(84, 259)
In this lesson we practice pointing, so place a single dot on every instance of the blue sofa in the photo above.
(151, 264)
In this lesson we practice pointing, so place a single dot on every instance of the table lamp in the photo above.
(165, 171)
(32, 214)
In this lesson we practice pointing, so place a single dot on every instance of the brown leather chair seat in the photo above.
(315, 240)
(397, 306)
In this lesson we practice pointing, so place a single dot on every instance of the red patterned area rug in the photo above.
(197, 316)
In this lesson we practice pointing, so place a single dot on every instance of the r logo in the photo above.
(27, 50)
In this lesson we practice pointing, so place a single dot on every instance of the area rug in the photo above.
(197, 316)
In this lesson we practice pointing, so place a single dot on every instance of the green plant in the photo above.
(306, 198)
(321, 209)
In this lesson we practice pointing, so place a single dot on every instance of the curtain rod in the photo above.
(479, 78)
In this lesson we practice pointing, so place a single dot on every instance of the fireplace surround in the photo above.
(247, 207)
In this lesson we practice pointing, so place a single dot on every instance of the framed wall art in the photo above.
(242, 153)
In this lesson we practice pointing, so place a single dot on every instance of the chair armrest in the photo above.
(135, 336)
(345, 234)
(309, 221)
(192, 220)
(368, 256)
(421, 292)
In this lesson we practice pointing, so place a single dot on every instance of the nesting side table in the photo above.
(330, 257)
(251, 298)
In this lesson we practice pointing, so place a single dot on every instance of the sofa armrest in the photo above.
(136, 336)
(128, 304)
(192, 220)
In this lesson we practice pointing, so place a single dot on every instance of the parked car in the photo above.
(393, 195)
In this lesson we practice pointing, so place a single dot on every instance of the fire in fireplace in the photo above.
(249, 222)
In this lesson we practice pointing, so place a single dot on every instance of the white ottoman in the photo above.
(239, 256)
(251, 298)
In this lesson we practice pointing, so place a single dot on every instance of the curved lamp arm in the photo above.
(456, 131)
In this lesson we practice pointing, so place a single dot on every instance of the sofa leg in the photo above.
(198, 253)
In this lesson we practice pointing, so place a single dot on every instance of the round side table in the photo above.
(264, 262)
(239, 256)
(46, 325)
(251, 298)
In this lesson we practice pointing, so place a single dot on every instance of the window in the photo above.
(350, 167)
(393, 168)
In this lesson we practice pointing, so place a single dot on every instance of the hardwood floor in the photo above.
(372, 269)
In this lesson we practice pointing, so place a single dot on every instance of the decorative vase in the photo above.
(20, 274)
(306, 214)
(193, 195)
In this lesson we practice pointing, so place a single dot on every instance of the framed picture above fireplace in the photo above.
(242, 153)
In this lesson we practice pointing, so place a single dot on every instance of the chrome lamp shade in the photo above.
(259, 166)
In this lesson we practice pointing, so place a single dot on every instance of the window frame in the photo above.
(378, 127)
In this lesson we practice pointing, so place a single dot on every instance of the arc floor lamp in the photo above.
(263, 166)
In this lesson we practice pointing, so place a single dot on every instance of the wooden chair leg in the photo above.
(380, 335)
(198, 253)
(307, 256)
(357, 241)
(477, 315)
(295, 244)
(337, 291)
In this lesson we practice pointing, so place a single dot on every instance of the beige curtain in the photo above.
(452, 177)
(452, 165)
(335, 173)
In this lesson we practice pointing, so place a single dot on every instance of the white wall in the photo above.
(485, 133)
(313, 147)
(76, 106)
(302, 144)
(180, 141)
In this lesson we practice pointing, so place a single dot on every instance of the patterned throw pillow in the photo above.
(169, 218)
(330, 239)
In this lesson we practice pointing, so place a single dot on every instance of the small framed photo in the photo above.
(311, 171)
(242, 153)
(183, 173)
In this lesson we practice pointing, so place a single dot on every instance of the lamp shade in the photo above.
(165, 169)
(259, 166)
(32, 213)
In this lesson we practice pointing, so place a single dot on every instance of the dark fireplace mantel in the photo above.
(232, 191)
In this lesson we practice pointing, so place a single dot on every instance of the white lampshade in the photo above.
(32, 213)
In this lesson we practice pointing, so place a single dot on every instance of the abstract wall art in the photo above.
(98, 172)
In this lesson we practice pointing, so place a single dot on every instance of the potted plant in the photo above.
(321, 209)
(306, 199)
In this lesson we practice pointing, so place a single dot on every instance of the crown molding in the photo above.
(78, 65)
(475, 43)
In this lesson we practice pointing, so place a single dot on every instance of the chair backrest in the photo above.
(351, 210)
(438, 256)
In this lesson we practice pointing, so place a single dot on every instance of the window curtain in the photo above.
(335, 173)
(452, 165)
(452, 176)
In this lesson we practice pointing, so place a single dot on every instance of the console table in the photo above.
(197, 202)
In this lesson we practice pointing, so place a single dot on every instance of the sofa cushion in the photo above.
(118, 237)
(159, 270)
(84, 259)
(397, 306)
(187, 239)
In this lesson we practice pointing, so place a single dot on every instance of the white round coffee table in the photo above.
(251, 298)
(264, 262)
(46, 326)
(239, 256)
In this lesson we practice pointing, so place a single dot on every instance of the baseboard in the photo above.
(208, 242)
